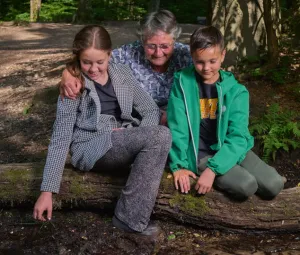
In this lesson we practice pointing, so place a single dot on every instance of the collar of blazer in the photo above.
(121, 79)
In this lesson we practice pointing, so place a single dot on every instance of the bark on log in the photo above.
(20, 186)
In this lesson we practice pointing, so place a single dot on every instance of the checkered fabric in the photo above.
(80, 126)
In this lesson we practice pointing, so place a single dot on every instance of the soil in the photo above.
(32, 59)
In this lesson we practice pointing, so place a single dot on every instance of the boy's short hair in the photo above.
(206, 37)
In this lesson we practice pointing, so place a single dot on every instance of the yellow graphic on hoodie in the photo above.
(208, 108)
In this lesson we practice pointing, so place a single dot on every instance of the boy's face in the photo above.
(208, 62)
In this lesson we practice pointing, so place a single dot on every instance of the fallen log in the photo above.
(20, 185)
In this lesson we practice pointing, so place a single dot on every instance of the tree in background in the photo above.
(272, 16)
(248, 26)
(153, 5)
(35, 7)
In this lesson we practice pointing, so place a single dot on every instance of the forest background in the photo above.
(33, 58)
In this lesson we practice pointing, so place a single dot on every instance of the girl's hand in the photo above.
(205, 181)
(182, 177)
(44, 203)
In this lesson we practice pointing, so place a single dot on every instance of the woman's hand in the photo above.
(163, 118)
(69, 85)
(205, 181)
(44, 203)
(182, 177)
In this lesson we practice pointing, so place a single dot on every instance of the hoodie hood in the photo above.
(227, 81)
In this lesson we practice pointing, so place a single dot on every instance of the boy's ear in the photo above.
(223, 54)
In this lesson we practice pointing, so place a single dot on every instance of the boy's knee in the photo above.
(246, 188)
(272, 187)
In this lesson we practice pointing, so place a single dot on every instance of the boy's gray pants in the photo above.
(252, 176)
(146, 150)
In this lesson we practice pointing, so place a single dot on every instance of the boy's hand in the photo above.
(44, 203)
(69, 85)
(182, 177)
(205, 181)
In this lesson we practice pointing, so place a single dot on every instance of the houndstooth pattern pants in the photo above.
(146, 150)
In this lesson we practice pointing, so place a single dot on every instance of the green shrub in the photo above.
(276, 130)
(58, 11)
(186, 11)
(279, 75)
(295, 91)
(23, 18)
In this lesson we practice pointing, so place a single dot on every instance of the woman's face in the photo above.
(159, 48)
(94, 63)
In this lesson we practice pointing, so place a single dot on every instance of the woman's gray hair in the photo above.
(162, 20)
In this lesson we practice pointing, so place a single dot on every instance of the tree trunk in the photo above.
(272, 40)
(35, 7)
(83, 10)
(20, 186)
(153, 5)
(243, 26)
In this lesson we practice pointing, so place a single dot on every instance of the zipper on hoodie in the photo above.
(220, 96)
(189, 123)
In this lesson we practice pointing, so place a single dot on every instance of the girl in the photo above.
(113, 123)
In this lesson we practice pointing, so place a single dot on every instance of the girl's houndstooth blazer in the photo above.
(80, 126)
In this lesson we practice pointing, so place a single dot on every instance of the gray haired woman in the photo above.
(153, 59)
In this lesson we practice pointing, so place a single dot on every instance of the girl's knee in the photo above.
(163, 136)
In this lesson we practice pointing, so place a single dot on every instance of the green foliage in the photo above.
(186, 11)
(117, 10)
(99, 10)
(255, 67)
(23, 17)
(295, 90)
(58, 11)
(276, 130)
(9, 9)
(291, 18)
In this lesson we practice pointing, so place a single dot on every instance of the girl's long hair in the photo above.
(91, 36)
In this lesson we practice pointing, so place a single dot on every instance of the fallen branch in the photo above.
(20, 185)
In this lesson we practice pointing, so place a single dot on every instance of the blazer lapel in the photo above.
(122, 90)
(89, 85)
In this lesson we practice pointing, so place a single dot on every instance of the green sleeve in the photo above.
(236, 140)
(178, 124)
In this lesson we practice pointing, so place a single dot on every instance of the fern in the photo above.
(276, 130)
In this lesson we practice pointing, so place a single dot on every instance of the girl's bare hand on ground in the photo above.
(205, 181)
(182, 177)
(44, 203)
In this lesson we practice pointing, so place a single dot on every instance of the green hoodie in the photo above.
(234, 139)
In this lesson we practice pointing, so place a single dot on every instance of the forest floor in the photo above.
(32, 59)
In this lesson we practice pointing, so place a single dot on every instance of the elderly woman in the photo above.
(153, 59)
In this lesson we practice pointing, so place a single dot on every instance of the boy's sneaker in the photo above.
(284, 179)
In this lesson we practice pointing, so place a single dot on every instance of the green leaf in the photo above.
(171, 237)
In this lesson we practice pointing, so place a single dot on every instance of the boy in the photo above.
(208, 114)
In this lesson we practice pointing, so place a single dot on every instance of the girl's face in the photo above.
(94, 63)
